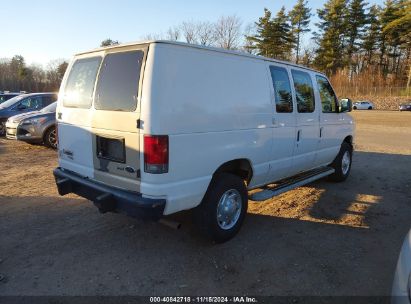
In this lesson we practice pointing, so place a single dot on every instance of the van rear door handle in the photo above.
(321, 132)
(298, 135)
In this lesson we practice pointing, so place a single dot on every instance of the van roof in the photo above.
(209, 48)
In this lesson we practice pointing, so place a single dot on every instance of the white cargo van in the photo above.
(153, 128)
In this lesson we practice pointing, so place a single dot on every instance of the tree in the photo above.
(227, 32)
(249, 45)
(400, 29)
(189, 32)
(173, 33)
(372, 33)
(330, 39)
(355, 22)
(108, 42)
(274, 37)
(205, 33)
(389, 39)
(300, 20)
(61, 69)
(282, 37)
(261, 41)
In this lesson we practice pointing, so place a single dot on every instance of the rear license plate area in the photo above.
(112, 149)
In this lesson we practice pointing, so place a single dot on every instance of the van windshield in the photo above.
(78, 92)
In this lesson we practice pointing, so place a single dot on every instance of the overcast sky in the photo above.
(45, 30)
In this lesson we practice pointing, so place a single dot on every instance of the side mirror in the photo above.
(344, 105)
(21, 107)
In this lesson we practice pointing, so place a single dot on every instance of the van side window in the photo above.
(282, 90)
(304, 91)
(117, 86)
(328, 98)
(78, 92)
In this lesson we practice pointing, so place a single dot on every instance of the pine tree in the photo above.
(108, 42)
(371, 38)
(262, 40)
(389, 39)
(330, 40)
(400, 28)
(274, 38)
(355, 22)
(300, 20)
(281, 35)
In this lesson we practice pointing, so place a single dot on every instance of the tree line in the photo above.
(16, 75)
(353, 43)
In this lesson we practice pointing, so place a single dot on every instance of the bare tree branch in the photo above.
(228, 32)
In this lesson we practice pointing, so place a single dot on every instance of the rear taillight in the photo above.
(156, 154)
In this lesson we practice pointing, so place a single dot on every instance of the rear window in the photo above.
(117, 86)
(78, 92)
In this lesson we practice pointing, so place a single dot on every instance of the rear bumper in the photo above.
(109, 199)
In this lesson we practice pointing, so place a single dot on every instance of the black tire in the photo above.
(206, 214)
(369, 108)
(354, 108)
(2, 129)
(50, 139)
(341, 172)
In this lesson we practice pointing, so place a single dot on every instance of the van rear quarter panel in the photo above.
(214, 107)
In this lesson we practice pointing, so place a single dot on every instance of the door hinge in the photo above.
(140, 124)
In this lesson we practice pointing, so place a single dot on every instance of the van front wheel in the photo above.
(224, 206)
(342, 163)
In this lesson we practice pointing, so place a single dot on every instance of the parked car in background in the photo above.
(405, 106)
(363, 105)
(34, 127)
(22, 104)
(401, 287)
(7, 95)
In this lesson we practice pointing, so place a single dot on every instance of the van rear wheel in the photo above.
(222, 211)
(342, 163)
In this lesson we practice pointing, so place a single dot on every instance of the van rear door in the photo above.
(97, 116)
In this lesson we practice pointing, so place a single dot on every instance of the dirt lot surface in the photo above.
(322, 239)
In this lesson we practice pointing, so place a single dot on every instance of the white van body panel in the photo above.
(76, 143)
(283, 135)
(215, 106)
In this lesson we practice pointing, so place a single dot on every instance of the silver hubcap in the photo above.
(52, 139)
(346, 162)
(229, 209)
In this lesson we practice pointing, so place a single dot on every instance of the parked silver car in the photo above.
(363, 105)
(23, 104)
(34, 127)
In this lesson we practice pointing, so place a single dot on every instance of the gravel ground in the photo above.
(322, 239)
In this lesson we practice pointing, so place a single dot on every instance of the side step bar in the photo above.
(291, 183)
